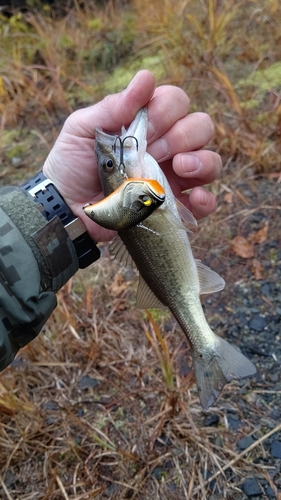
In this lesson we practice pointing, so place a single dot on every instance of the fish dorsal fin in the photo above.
(146, 298)
(120, 252)
(186, 216)
(209, 280)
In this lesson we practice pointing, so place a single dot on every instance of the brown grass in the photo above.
(93, 409)
(103, 404)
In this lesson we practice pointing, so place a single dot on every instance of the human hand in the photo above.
(175, 139)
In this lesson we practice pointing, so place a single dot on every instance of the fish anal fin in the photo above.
(146, 298)
(209, 280)
(213, 372)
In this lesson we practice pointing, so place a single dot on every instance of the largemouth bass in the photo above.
(169, 274)
(128, 205)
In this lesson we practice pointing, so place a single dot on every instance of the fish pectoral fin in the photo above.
(213, 371)
(209, 280)
(120, 252)
(172, 219)
(146, 298)
(186, 215)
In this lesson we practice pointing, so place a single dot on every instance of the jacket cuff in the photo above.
(50, 243)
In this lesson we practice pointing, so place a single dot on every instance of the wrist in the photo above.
(51, 204)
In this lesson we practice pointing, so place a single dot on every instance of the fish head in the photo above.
(111, 176)
(121, 157)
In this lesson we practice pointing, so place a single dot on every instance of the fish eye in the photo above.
(146, 200)
(108, 165)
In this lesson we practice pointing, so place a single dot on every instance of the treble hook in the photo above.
(122, 166)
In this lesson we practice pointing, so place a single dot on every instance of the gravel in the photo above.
(248, 314)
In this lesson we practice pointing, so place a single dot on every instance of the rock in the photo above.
(16, 161)
(50, 405)
(87, 382)
(275, 414)
(275, 449)
(211, 420)
(163, 440)
(10, 479)
(213, 484)
(158, 473)
(270, 493)
(274, 377)
(233, 421)
(51, 420)
(251, 487)
(111, 490)
(245, 442)
(257, 323)
(172, 487)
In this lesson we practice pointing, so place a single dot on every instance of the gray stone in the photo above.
(245, 442)
(257, 323)
(251, 487)
(275, 449)
(87, 382)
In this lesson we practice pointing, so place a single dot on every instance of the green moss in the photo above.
(95, 24)
(264, 79)
(121, 76)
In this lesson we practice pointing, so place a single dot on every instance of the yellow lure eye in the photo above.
(147, 201)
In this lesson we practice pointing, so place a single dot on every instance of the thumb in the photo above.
(114, 110)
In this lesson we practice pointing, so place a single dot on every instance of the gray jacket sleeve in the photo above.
(36, 259)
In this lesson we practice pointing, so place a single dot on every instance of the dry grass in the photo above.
(224, 54)
(87, 413)
(103, 404)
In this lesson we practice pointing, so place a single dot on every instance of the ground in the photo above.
(103, 403)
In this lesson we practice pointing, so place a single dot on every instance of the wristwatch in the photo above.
(52, 204)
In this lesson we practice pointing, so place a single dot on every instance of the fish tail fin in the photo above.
(213, 372)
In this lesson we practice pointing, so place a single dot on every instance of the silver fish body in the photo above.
(127, 206)
(169, 274)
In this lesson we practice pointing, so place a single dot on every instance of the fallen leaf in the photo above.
(242, 247)
(257, 269)
(118, 286)
(261, 235)
(228, 197)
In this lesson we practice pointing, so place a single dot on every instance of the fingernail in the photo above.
(204, 197)
(190, 163)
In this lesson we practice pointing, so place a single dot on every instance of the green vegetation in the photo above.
(220, 53)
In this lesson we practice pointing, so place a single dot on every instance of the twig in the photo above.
(244, 452)
(61, 487)
(167, 410)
